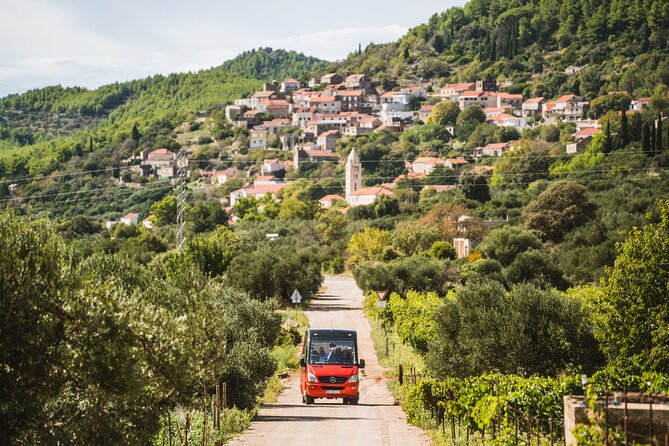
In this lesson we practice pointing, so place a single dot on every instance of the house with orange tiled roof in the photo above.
(367, 195)
(507, 120)
(256, 191)
(532, 107)
(356, 81)
(331, 78)
(269, 166)
(480, 170)
(571, 107)
(350, 99)
(640, 104)
(328, 200)
(129, 219)
(509, 100)
(289, 85)
(325, 104)
(426, 164)
(328, 140)
(495, 149)
(303, 115)
(471, 97)
(452, 92)
(424, 112)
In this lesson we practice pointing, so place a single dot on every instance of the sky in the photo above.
(93, 42)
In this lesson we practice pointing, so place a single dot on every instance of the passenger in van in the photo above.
(322, 356)
(335, 355)
(348, 356)
(313, 355)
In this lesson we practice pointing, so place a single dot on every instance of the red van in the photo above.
(330, 365)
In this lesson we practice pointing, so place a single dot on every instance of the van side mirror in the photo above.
(361, 364)
(303, 364)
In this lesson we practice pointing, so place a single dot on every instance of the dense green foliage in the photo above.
(523, 331)
(95, 350)
(632, 317)
(268, 64)
(620, 45)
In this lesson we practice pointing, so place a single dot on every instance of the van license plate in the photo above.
(332, 391)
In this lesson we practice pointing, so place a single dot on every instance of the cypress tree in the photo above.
(651, 150)
(608, 142)
(645, 139)
(134, 133)
(90, 144)
(624, 129)
(658, 137)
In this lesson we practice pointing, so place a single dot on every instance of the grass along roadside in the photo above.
(400, 353)
(286, 353)
(182, 423)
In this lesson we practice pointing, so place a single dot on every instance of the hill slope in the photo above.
(622, 45)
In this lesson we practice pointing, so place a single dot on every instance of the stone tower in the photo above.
(353, 173)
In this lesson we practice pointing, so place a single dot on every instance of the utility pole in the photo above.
(180, 185)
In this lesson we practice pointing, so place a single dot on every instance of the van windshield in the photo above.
(331, 348)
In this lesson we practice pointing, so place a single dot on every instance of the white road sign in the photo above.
(296, 298)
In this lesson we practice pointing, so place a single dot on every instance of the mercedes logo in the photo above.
(333, 379)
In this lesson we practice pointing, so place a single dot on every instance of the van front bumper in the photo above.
(330, 391)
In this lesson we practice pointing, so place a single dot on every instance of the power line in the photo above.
(248, 162)
(72, 174)
(30, 197)
(127, 191)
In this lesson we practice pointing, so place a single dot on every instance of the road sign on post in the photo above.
(296, 298)
(382, 295)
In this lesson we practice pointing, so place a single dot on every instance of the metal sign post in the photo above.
(381, 304)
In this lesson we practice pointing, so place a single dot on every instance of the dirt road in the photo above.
(376, 421)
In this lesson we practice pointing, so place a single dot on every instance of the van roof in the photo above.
(332, 331)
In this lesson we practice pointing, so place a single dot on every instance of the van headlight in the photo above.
(353, 378)
(312, 378)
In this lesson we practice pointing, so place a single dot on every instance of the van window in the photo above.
(329, 348)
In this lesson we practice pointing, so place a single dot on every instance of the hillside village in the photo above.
(292, 123)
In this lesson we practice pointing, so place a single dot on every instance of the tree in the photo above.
(467, 121)
(558, 210)
(475, 187)
(165, 210)
(536, 267)
(292, 208)
(275, 272)
(417, 273)
(414, 317)
(608, 141)
(646, 139)
(443, 251)
(410, 238)
(506, 243)
(631, 313)
(527, 163)
(523, 331)
(438, 44)
(134, 133)
(207, 215)
(444, 113)
(624, 128)
(35, 282)
(659, 146)
(385, 205)
(367, 245)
